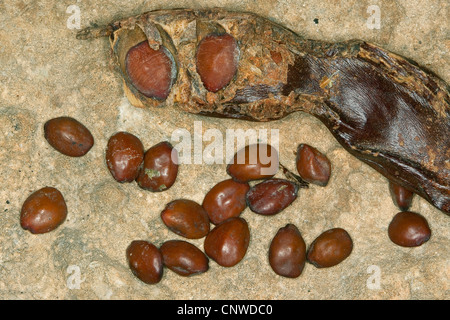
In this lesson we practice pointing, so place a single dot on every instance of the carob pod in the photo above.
(382, 108)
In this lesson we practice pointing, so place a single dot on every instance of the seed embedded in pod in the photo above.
(217, 60)
(401, 196)
(152, 72)
(43, 211)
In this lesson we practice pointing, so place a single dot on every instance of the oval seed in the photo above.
(124, 155)
(159, 169)
(330, 248)
(145, 261)
(271, 196)
(68, 136)
(225, 200)
(152, 72)
(227, 243)
(184, 258)
(217, 60)
(409, 229)
(43, 211)
(254, 162)
(186, 218)
(312, 165)
(287, 252)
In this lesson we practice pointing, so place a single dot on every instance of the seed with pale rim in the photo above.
(217, 60)
(152, 72)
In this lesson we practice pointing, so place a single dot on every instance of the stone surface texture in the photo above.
(45, 72)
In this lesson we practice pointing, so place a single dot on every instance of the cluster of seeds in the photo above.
(227, 242)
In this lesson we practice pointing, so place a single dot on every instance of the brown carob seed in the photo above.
(124, 155)
(145, 261)
(254, 162)
(159, 169)
(287, 252)
(186, 218)
(409, 229)
(330, 248)
(68, 136)
(43, 211)
(312, 165)
(271, 196)
(225, 200)
(150, 71)
(184, 258)
(217, 60)
(227, 243)
(401, 196)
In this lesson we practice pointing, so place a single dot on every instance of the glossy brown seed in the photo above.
(227, 243)
(217, 60)
(124, 155)
(225, 200)
(145, 261)
(186, 218)
(401, 196)
(287, 252)
(43, 211)
(271, 196)
(152, 72)
(330, 248)
(184, 258)
(312, 165)
(409, 229)
(159, 169)
(68, 136)
(254, 162)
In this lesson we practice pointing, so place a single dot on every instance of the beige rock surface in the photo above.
(45, 72)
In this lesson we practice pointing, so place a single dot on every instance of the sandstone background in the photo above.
(45, 72)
